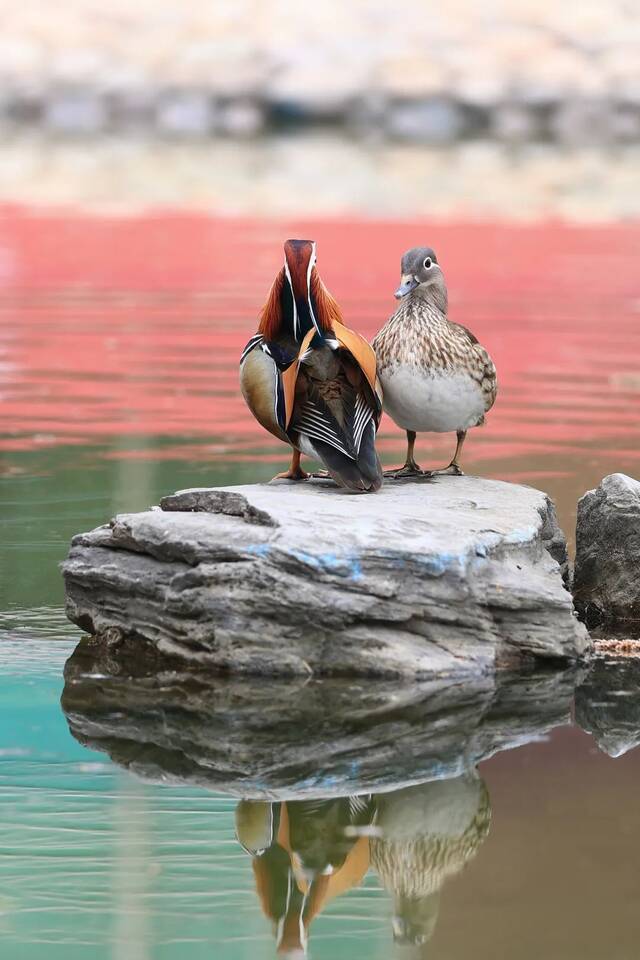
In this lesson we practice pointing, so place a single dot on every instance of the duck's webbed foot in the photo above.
(295, 471)
(298, 474)
(453, 470)
(410, 469)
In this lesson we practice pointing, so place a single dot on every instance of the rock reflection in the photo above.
(284, 740)
(608, 706)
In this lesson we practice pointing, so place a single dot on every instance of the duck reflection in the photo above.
(304, 853)
(426, 834)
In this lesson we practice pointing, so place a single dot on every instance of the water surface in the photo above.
(119, 340)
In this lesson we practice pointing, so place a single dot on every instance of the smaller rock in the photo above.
(216, 501)
(607, 572)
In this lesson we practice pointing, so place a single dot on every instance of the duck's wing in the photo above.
(487, 377)
(336, 413)
(267, 381)
(364, 355)
(484, 370)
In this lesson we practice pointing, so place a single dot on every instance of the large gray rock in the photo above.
(448, 576)
(607, 572)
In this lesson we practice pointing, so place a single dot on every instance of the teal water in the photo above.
(94, 862)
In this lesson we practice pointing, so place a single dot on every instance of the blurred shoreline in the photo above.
(323, 173)
(524, 70)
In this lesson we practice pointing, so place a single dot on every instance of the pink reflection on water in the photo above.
(132, 328)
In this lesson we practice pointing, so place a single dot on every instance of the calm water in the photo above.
(118, 348)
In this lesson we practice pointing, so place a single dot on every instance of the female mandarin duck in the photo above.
(435, 375)
(309, 380)
(427, 833)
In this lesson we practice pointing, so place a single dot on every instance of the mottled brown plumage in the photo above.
(434, 373)
(420, 335)
(428, 833)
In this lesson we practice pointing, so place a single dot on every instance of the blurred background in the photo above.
(516, 108)
(153, 158)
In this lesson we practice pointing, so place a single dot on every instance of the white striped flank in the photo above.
(310, 421)
(358, 805)
(362, 415)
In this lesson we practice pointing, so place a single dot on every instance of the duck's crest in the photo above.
(326, 309)
(271, 314)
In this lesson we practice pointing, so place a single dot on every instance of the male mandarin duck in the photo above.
(435, 375)
(309, 380)
(323, 833)
(302, 858)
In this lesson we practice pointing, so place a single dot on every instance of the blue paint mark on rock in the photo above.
(259, 549)
(342, 566)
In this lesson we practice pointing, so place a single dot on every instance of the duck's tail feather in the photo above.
(364, 473)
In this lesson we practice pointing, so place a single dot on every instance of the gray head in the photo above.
(415, 918)
(420, 271)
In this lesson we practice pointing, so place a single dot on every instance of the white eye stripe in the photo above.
(296, 319)
(312, 260)
(293, 299)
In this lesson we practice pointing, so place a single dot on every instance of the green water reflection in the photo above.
(46, 497)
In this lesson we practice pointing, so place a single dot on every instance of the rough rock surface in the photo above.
(449, 576)
(281, 739)
(607, 572)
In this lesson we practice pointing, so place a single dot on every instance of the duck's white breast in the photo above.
(432, 401)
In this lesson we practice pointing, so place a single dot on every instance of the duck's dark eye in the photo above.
(427, 263)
